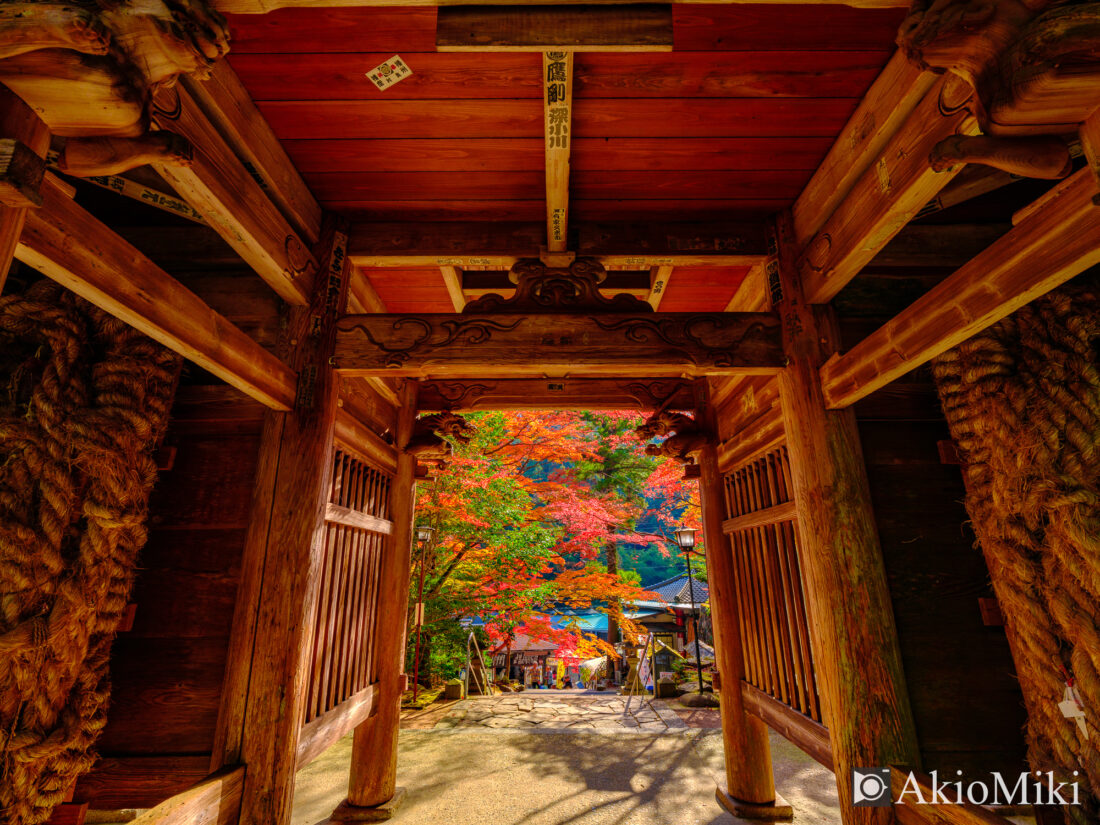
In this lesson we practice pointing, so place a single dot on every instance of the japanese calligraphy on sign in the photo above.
(386, 74)
(557, 96)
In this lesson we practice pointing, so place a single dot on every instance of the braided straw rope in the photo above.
(84, 411)
(1022, 399)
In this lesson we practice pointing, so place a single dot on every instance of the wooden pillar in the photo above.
(750, 785)
(855, 645)
(19, 123)
(373, 784)
(299, 453)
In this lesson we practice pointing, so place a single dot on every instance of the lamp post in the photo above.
(423, 536)
(685, 538)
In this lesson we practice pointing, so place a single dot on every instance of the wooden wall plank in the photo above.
(756, 27)
(66, 243)
(611, 117)
(298, 30)
(526, 154)
(327, 76)
(487, 28)
(594, 184)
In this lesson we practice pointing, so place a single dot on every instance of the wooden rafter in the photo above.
(882, 112)
(217, 185)
(1047, 247)
(508, 345)
(452, 279)
(225, 101)
(557, 103)
(658, 285)
(18, 122)
(65, 242)
(888, 194)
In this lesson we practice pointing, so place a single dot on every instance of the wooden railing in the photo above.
(774, 630)
(343, 674)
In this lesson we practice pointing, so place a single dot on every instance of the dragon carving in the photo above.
(683, 439)
(429, 442)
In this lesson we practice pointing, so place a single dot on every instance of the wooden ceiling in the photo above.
(728, 125)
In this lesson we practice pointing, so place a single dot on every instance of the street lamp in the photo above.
(423, 536)
(685, 538)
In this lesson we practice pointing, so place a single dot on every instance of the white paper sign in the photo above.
(1071, 709)
(386, 74)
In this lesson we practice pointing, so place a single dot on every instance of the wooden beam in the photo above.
(886, 106)
(761, 435)
(356, 437)
(888, 194)
(855, 648)
(551, 394)
(265, 6)
(749, 777)
(362, 297)
(452, 279)
(658, 285)
(328, 728)
(220, 188)
(761, 518)
(17, 122)
(214, 801)
(287, 603)
(752, 294)
(335, 514)
(557, 103)
(498, 245)
(797, 728)
(225, 101)
(374, 749)
(575, 28)
(1047, 248)
(64, 242)
(501, 346)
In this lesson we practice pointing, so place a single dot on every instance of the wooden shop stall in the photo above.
(257, 257)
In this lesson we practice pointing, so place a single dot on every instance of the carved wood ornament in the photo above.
(90, 67)
(541, 288)
(684, 436)
(429, 442)
(1034, 67)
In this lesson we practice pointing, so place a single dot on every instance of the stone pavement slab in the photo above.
(509, 777)
(611, 713)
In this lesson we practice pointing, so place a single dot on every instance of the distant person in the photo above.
(567, 682)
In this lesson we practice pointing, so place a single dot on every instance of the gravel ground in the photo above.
(505, 777)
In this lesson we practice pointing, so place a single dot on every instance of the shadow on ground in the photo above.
(472, 777)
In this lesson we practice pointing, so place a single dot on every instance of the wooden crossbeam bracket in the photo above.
(554, 394)
(452, 279)
(217, 184)
(66, 243)
(1048, 246)
(639, 27)
(888, 194)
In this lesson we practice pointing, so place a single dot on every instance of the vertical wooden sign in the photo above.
(557, 95)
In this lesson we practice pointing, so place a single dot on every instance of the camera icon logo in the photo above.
(871, 788)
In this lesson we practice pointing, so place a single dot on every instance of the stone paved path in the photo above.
(535, 713)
